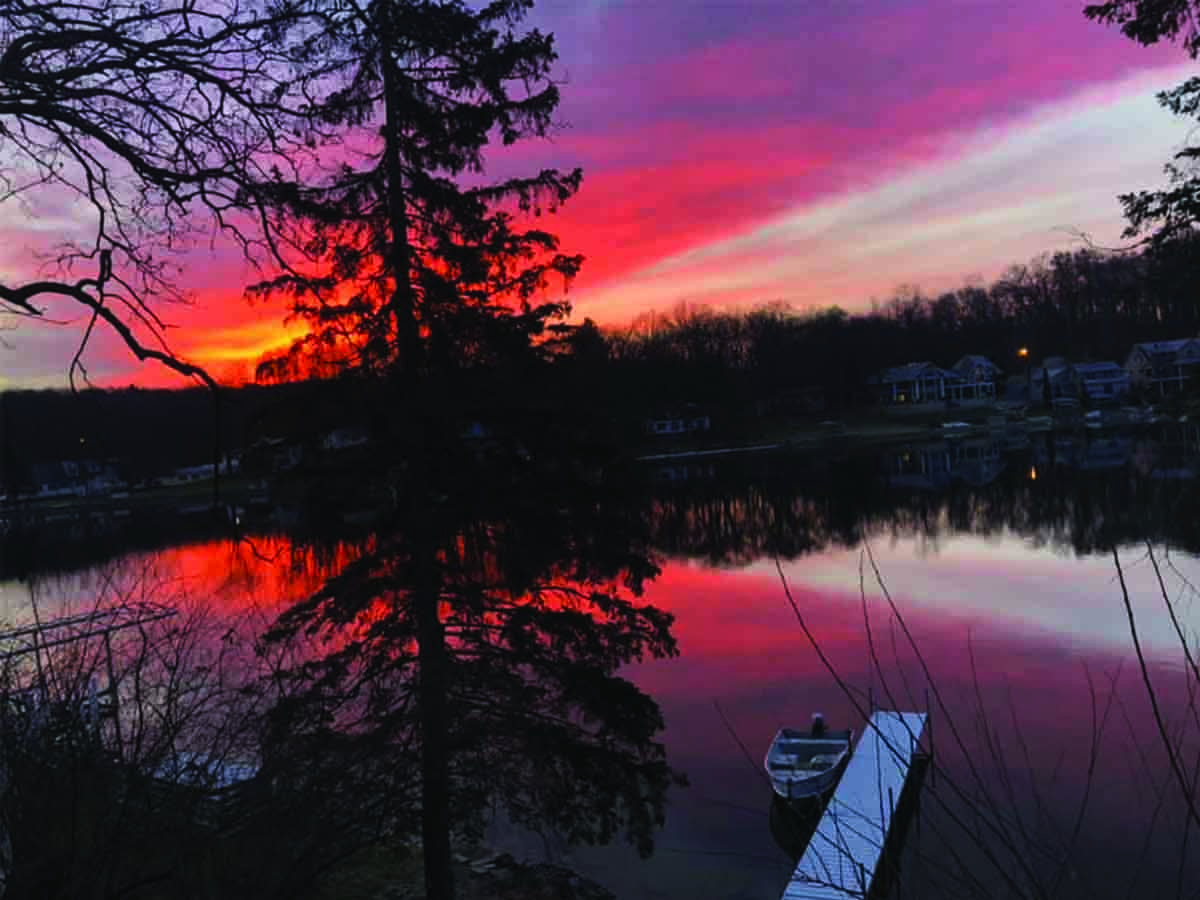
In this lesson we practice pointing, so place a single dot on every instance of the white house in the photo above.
(1097, 381)
(1163, 366)
(1057, 372)
(1100, 380)
(916, 383)
(979, 375)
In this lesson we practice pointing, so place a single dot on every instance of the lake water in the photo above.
(976, 581)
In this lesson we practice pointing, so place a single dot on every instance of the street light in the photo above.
(1023, 352)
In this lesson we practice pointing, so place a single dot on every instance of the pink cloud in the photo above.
(696, 122)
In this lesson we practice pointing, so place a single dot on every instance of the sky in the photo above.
(741, 152)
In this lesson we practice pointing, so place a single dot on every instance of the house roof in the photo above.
(1166, 352)
(1054, 373)
(915, 370)
(1154, 348)
(1098, 368)
(975, 360)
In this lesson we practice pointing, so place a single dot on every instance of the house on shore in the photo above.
(1100, 381)
(1093, 381)
(915, 383)
(1057, 372)
(1163, 367)
(971, 381)
(979, 376)
(345, 437)
(73, 478)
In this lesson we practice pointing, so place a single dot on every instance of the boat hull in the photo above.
(792, 788)
(801, 764)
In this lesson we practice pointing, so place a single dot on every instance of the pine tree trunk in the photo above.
(435, 771)
(399, 251)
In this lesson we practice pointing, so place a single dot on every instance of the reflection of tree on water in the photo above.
(1075, 494)
(476, 645)
(535, 577)
(528, 586)
(121, 723)
(1065, 491)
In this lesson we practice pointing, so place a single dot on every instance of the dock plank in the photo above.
(841, 858)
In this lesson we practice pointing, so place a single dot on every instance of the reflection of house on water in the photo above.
(934, 466)
(681, 470)
(1098, 453)
(1161, 462)
(1184, 434)
(1173, 455)
(689, 419)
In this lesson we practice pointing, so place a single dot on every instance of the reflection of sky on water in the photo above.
(1022, 648)
(251, 579)
(1007, 583)
(1004, 626)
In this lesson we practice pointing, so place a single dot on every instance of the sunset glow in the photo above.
(810, 154)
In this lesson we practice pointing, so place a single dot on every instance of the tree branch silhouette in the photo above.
(159, 125)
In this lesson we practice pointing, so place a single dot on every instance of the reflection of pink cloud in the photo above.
(741, 644)
(742, 649)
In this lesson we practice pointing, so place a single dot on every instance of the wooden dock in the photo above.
(842, 857)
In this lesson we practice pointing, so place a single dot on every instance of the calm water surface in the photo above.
(1006, 620)
(1011, 635)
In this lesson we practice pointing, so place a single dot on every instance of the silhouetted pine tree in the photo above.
(414, 266)
(411, 260)
(479, 641)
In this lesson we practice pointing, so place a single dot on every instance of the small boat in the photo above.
(807, 763)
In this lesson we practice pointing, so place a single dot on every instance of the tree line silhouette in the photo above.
(1085, 304)
(782, 505)
(1080, 304)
